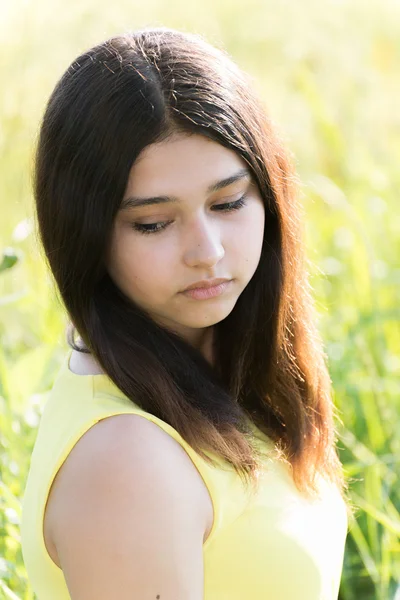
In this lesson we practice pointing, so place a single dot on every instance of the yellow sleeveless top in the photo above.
(274, 544)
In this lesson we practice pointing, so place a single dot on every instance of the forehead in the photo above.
(181, 164)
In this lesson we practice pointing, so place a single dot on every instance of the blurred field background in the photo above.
(328, 73)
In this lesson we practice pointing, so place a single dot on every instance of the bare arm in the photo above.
(128, 523)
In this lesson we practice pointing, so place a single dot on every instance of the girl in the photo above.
(187, 448)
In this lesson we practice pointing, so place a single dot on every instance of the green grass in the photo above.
(329, 74)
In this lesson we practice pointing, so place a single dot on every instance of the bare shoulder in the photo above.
(128, 506)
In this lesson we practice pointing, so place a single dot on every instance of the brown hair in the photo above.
(115, 99)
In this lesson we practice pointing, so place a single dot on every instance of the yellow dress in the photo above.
(275, 545)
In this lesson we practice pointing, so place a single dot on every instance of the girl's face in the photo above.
(159, 249)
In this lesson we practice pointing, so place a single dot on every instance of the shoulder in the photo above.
(132, 444)
(130, 448)
(128, 489)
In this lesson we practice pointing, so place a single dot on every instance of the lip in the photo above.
(208, 292)
(206, 283)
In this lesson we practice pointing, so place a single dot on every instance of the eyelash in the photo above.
(143, 228)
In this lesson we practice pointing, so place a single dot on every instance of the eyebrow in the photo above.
(135, 202)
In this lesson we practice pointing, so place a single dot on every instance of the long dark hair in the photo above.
(115, 99)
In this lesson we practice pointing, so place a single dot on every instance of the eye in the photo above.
(157, 227)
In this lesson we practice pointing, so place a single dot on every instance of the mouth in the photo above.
(204, 293)
(207, 283)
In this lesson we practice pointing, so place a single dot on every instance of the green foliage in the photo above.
(328, 73)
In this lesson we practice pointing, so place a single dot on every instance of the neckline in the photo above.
(99, 381)
(67, 361)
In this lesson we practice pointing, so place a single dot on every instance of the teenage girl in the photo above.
(187, 448)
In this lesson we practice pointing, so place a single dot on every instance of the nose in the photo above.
(203, 246)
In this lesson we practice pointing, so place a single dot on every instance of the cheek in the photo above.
(247, 238)
(139, 267)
